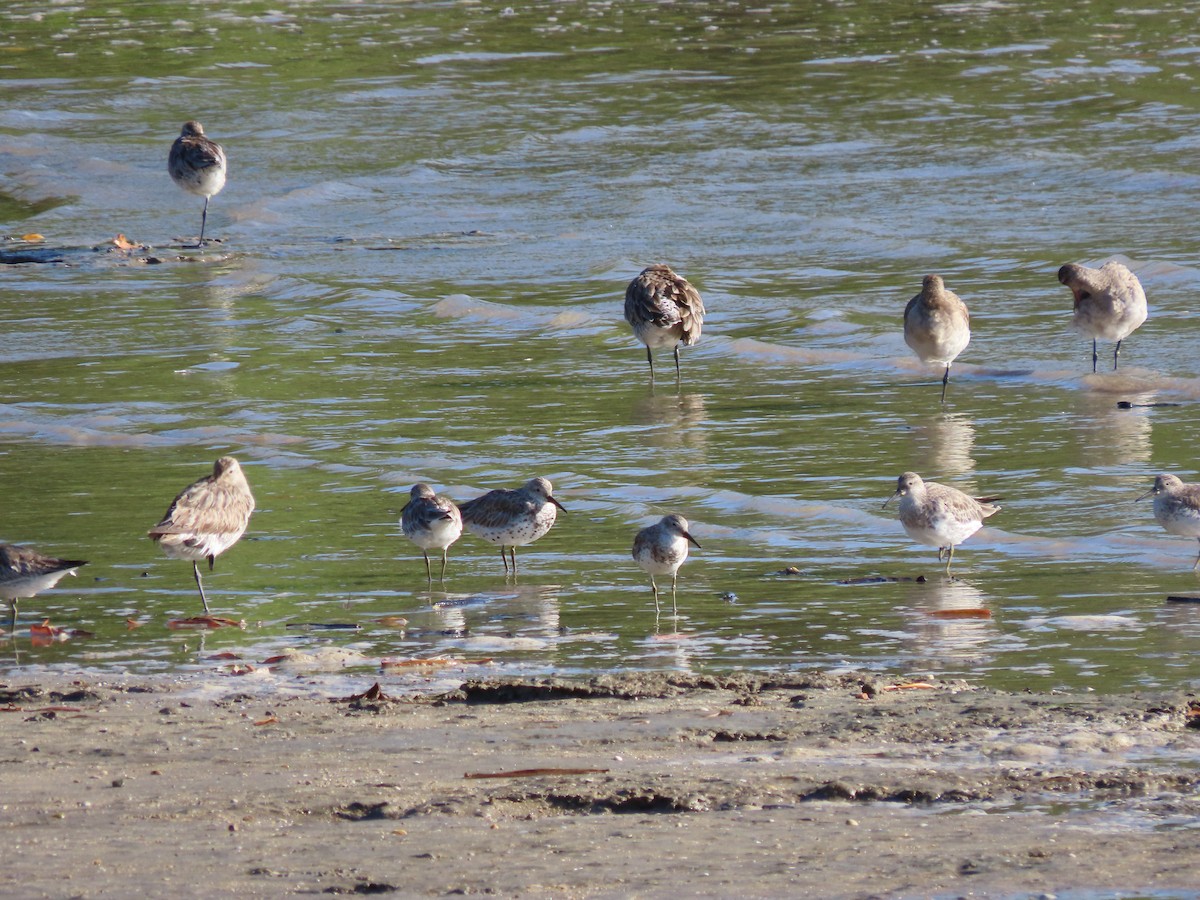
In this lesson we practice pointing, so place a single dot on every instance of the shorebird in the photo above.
(24, 572)
(937, 325)
(197, 165)
(512, 518)
(937, 515)
(207, 518)
(660, 549)
(1176, 507)
(431, 521)
(663, 309)
(1109, 303)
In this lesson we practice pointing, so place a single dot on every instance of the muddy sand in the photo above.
(649, 785)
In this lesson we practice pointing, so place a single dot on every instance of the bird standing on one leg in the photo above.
(24, 573)
(207, 518)
(1109, 303)
(660, 549)
(1176, 507)
(432, 522)
(663, 309)
(512, 518)
(937, 326)
(197, 165)
(939, 516)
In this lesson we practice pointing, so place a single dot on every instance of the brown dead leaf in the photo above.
(123, 243)
(227, 654)
(533, 773)
(909, 686)
(431, 662)
(971, 613)
(392, 621)
(33, 237)
(269, 720)
(374, 692)
(240, 669)
(131, 624)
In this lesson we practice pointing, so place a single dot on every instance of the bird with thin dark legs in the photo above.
(432, 522)
(1176, 507)
(25, 573)
(660, 549)
(663, 310)
(1109, 303)
(938, 515)
(197, 164)
(512, 518)
(937, 325)
(207, 518)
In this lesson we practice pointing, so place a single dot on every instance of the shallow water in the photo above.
(431, 215)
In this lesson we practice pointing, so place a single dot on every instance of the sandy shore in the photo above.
(755, 786)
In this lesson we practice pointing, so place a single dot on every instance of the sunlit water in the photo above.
(431, 215)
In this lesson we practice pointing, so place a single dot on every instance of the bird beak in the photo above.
(693, 540)
(556, 503)
(890, 499)
(1145, 495)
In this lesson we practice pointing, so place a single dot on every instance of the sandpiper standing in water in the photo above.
(1176, 507)
(1109, 303)
(937, 515)
(937, 325)
(432, 522)
(24, 572)
(663, 309)
(197, 165)
(512, 518)
(660, 549)
(207, 518)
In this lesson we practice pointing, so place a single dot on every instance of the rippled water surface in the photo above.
(431, 216)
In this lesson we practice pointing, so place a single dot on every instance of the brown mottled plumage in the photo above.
(663, 309)
(197, 165)
(24, 573)
(660, 549)
(207, 518)
(512, 518)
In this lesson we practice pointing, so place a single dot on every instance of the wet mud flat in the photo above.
(642, 784)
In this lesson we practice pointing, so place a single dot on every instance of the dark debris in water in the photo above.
(884, 579)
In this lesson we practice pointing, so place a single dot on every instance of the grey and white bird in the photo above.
(511, 519)
(432, 522)
(207, 518)
(1176, 507)
(1109, 303)
(663, 310)
(25, 573)
(197, 164)
(939, 516)
(660, 549)
(937, 325)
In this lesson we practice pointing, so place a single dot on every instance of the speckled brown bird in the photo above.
(432, 522)
(511, 519)
(207, 518)
(197, 165)
(939, 516)
(663, 310)
(660, 549)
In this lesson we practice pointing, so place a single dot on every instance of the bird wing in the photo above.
(495, 509)
(206, 507)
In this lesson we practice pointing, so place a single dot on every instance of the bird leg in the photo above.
(945, 381)
(1116, 353)
(203, 222)
(504, 559)
(200, 584)
(650, 359)
(677, 375)
(428, 573)
(1094, 356)
(674, 605)
(949, 559)
(1196, 566)
(12, 622)
(654, 587)
(442, 577)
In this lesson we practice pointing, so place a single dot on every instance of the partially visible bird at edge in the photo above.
(24, 572)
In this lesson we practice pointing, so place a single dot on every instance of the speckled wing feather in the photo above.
(420, 513)
(661, 297)
(216, 504)
(22, 562)
(497, 509)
